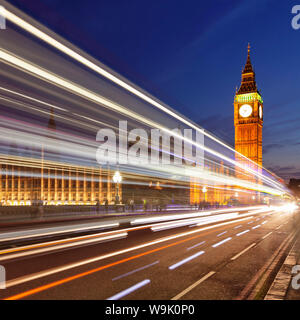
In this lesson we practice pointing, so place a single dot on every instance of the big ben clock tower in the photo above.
(248, 116)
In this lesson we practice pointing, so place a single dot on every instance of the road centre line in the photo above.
(243, 251)
(194, 285)
(264, 237)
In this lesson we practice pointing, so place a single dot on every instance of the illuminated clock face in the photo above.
(245, 110)
(260, 112)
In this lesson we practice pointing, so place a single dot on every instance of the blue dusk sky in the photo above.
(190, 55)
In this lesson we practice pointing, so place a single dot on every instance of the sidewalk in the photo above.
(283, 286)
(294, 256)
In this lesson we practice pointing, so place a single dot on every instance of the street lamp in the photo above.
(204, 190)
(117, 178)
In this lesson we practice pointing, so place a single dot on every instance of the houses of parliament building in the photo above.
(36, 180)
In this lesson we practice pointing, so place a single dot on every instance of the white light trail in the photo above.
(28, 234)
(95, 240)
(190, 215)
(129, 290)
(135, 270)
(221, 242)
(196, 245)
(243, 232)
(178, 264)
(258, 226)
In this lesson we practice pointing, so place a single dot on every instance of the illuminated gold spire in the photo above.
(248, 84)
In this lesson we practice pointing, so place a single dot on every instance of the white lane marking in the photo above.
(257, 219)
(237, 226)
(48, 272)
(96, 240)
(174, 266)
(135, 270)
(191, 287)
(278, 227)
(264, 222)
(243, 251)
(220, 234)
(221, 242)
(129, 290)
(250, 222)
(196, 245)
(264, 237)
(243, 232)
(258, 226)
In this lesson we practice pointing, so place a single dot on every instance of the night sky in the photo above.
(190, 55)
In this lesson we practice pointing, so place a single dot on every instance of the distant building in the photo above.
(294, 185)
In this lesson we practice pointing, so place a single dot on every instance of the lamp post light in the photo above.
(204, 190)
(117, 178)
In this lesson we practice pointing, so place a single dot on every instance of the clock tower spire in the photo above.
(248, 115)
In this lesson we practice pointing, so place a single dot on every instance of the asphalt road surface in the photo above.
(219, 255)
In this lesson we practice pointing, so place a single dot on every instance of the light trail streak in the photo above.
(178, 264)
(129, 290)
(135, 270)
(95, 240)
(33, 99)
(243, 232)
(93, 66)
(190, 215)
(221, 242)
(258, 226)
(28, 234)
(196, 245)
